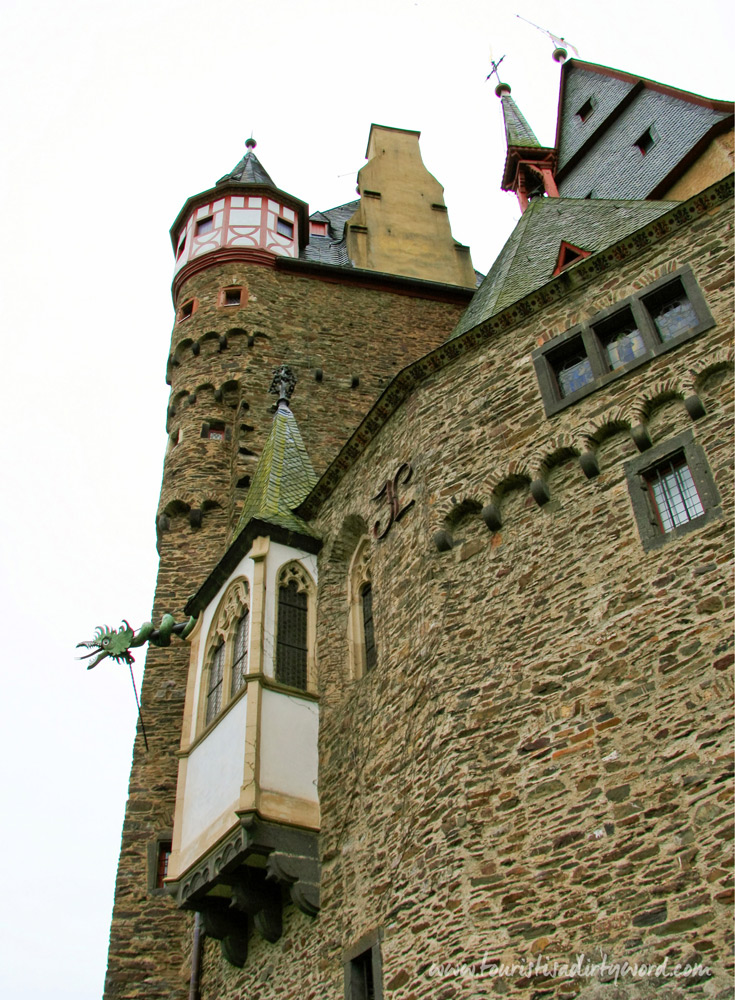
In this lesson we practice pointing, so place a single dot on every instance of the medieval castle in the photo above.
(457, 704)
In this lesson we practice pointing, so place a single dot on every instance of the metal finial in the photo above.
(283, 383)
(561, 45)
(251, 143)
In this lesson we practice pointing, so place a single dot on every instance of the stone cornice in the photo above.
(588, 270)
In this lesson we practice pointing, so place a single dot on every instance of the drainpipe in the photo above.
(196, 957)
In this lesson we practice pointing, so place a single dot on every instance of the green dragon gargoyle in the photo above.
(117, 643)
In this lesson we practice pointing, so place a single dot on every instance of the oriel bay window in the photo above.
(669, 312)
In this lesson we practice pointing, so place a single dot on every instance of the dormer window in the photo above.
(586, 110)
(647, 141)
(318, 228)
(284, 228)
(205, 226)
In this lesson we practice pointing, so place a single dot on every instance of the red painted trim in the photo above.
(434, 291)
(563, 248)
(225, 255)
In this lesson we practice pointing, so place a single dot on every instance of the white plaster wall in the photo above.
(278, 556)
(289, 762)
(214, 775)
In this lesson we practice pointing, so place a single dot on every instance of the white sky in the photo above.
(112, 115)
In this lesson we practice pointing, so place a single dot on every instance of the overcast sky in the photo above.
(112, 114)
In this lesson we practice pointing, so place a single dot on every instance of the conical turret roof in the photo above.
(248, 171)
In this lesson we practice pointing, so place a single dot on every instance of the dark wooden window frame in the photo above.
(589, 334)
(639, 471)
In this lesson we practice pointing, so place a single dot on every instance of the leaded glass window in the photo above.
(572, 367)
(672, 312)
(291, 645)
(621, 339)
(367, 626)
(673, 493)
(240, 654)
(214, 688)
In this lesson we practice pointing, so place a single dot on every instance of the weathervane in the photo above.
(494, 70)
(561, 45)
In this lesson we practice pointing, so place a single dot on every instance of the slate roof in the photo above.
(332, 248)
(517, 130)
(530, 255)
(248, 171)
(283, 477)
(599, 153)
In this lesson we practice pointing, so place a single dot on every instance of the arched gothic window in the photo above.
(240, 653)
(295, 628)
(363, 650)
(226, 656)
(214, 687)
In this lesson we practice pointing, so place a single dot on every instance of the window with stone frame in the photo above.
(363, 969)
(672, 490)
(656, 319)
(226, 654)
(361, 631)
(295, 628)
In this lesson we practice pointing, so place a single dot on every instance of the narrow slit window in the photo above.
(240, 654)
(182, 246)
(586, 110)
(214, 688)
(673, 494)
(291, 646)
(164, 853)
(646, 142)
(367, 626)
(362, 979)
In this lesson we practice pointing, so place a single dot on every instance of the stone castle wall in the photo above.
(220, 370)
(539, 766)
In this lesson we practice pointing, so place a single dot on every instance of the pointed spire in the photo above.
(249, 170)
(284, 475)
(529, 166)
(518, 132)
